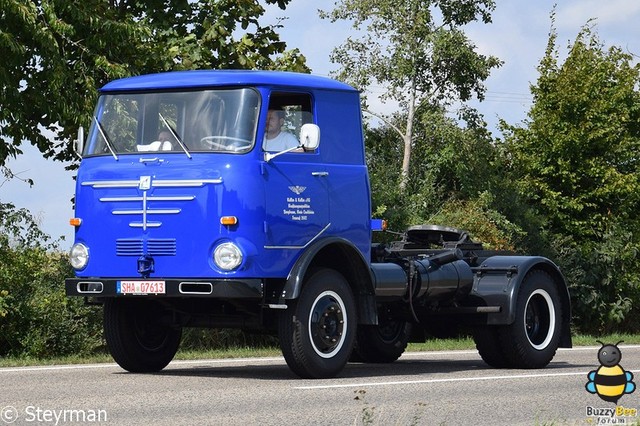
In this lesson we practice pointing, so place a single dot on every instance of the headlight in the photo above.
(227, 256)
(79, 256)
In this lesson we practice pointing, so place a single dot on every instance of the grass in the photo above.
(462, 343)
(98, 358)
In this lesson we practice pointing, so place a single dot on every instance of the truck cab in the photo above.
(190, 214)
(211, 185)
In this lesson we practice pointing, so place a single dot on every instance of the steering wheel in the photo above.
(226, 143)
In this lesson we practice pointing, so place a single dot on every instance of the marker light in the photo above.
(75, 221)
(229, 220)
(378, 225)
(227, 256)
(79, 256)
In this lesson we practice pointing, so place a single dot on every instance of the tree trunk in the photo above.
(408, 137)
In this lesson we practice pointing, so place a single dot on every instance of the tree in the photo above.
(575, 163)
(455, 172)
(577, 158)
(416, 49)
(57, 53)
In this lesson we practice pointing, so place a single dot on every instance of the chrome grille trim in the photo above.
(144, 184)
(112, 183)
(185, 183)
(149, 211)
(163, 198)
(145, 225)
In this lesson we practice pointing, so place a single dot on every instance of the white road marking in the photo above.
(450, 380)
(469, 379)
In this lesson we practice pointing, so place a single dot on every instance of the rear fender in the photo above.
(498, 280)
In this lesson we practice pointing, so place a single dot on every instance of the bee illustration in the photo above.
(610, 381)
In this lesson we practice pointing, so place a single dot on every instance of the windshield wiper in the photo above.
(106, 139)
(175, 135)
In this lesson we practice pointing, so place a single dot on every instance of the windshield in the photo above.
(181, 122)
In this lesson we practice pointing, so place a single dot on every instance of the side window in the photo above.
(287, 113)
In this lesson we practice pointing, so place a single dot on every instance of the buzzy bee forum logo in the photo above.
(610, 382)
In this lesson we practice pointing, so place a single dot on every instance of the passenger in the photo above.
(274, 138)
(167, 140)
(164, 143)
(165, 136)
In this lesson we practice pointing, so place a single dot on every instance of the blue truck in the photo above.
(189, 214)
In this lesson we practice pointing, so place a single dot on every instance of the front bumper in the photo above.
(173, 287)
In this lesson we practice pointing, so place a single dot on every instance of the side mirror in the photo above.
(79, 142)
(310, 136)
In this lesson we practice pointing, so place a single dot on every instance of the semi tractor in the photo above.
(187, 215)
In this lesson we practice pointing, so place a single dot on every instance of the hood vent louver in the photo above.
(155, 247)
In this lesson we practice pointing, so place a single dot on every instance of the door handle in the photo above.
(322, 174)
(151, 160)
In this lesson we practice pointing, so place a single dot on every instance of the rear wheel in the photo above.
(317, 331)
(382, 343)
(136, 336)
(533, 338)
(487, 340)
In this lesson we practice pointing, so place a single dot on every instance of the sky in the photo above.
(518, 36)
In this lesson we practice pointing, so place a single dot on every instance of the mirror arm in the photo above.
(269, 156)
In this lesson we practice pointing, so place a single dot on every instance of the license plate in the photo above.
(140, 287)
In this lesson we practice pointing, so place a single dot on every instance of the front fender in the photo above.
(343, 256)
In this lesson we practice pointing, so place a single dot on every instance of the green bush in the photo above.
(36, 318)
(603, 280)
(483, 223)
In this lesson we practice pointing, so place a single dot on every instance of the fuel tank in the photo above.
(437, 279)
(450, 281)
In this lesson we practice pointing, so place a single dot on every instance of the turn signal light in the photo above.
(229, 220)
(75, 221)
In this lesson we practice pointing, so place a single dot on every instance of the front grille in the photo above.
(161, 247)
(155, 247)
(129, 247)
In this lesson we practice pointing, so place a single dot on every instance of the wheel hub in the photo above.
(327, 324)
(539, 319)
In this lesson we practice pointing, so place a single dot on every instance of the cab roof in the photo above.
(218, 78)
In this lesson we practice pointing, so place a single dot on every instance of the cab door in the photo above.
(297, 208)
(296, 188)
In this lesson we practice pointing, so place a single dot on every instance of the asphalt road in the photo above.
(436, 388)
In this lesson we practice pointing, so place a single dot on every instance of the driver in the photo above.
(274, 138)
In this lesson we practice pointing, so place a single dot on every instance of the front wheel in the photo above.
(317, 331)
(136, 336)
